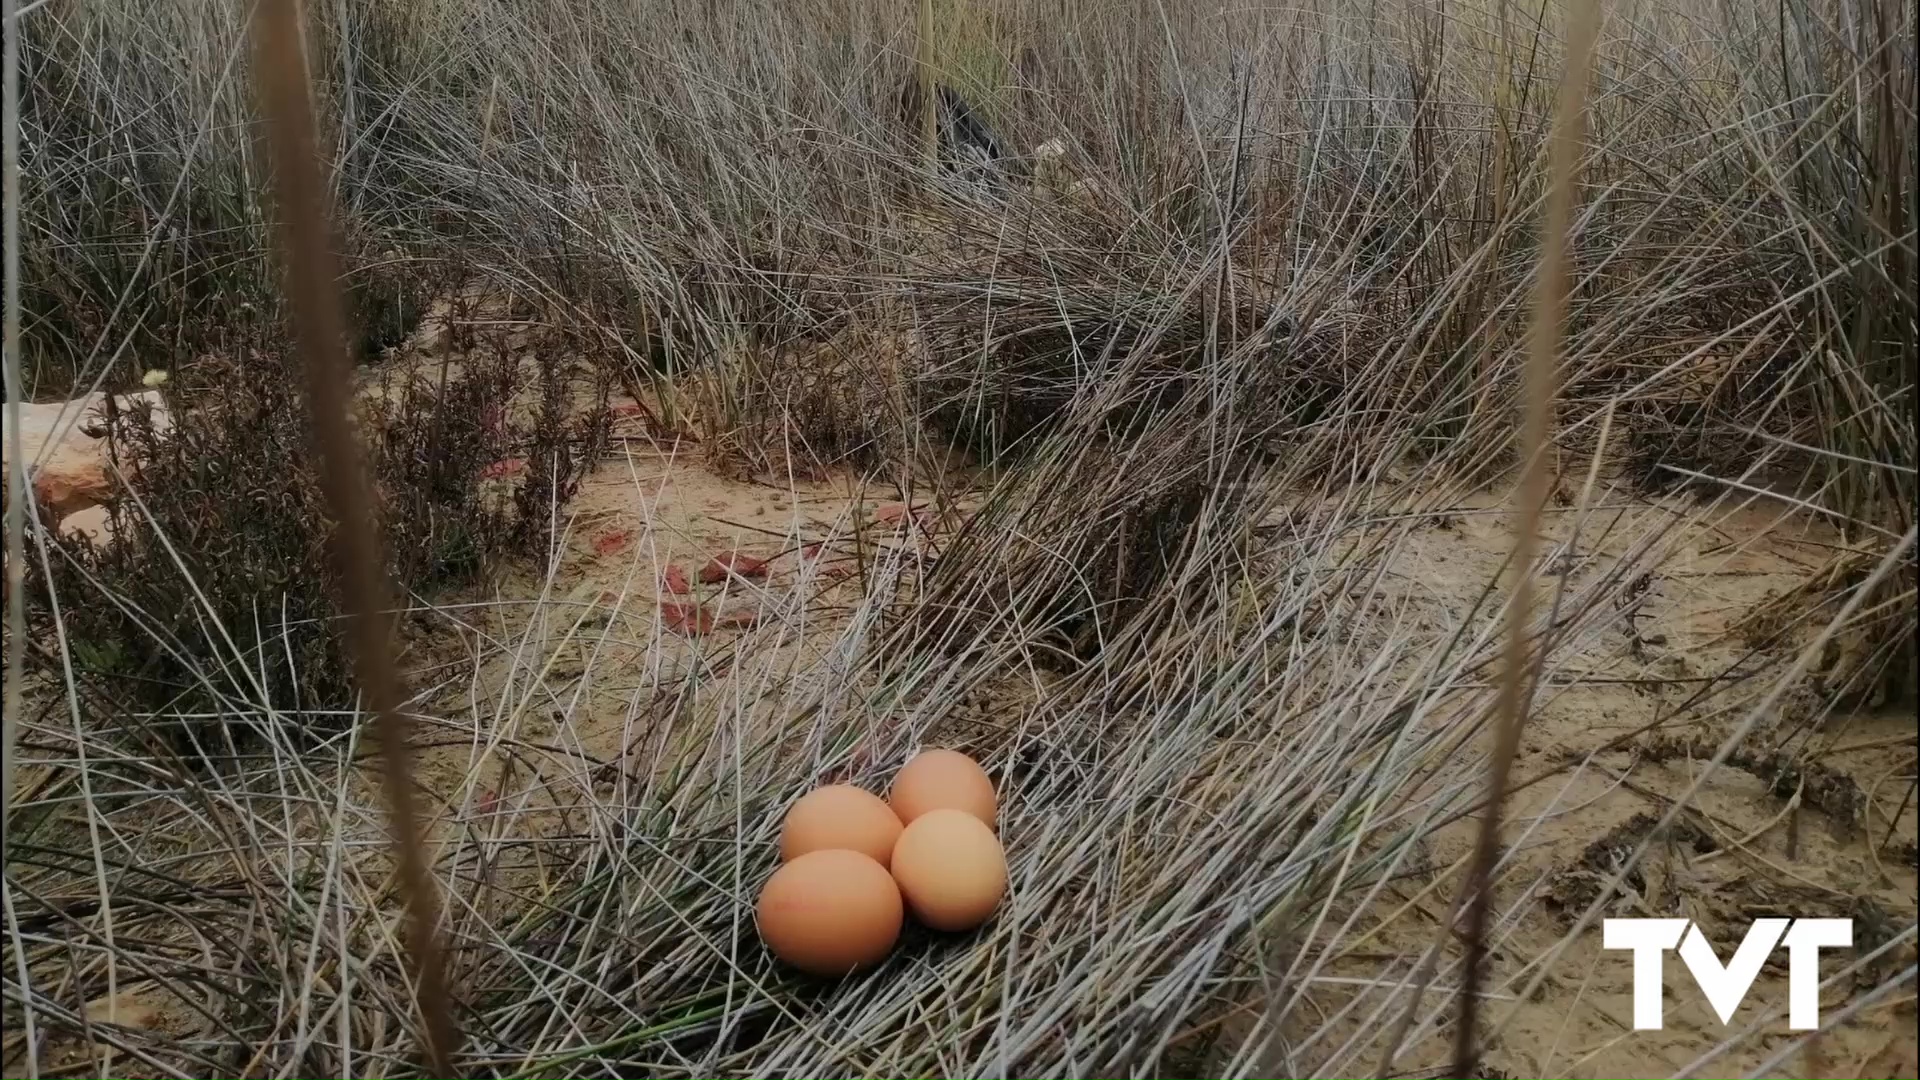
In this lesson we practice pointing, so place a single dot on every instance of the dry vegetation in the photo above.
(1212, 418)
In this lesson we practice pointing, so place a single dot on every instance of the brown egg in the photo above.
(830, 912)
(942, 780)
(951, 869)
(838, 816)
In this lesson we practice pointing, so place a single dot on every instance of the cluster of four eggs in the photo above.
(852, 865)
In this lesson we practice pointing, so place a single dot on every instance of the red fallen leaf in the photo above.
(637, 410)
(502, 468)
(733, 562)
(613, 543)
(690, 619)
(673, 581)
(897, 514)
(45, 491)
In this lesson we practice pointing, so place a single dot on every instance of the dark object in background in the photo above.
(968, 149)
(965, 140)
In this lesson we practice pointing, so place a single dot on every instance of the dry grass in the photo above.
(1202, 408)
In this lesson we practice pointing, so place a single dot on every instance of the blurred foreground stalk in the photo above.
(314, 298)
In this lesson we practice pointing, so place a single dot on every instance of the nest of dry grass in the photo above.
(1206, 406)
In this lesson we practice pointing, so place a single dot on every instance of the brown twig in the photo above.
(1542, 351)
(313, 295)
(929, 91)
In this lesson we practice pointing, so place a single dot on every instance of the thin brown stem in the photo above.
(929, 93)
(1542, 350)
(314, 298)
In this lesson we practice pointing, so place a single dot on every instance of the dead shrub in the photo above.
(217, 596)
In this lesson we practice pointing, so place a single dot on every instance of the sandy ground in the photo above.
(665, 571)
(1821, 841)
(640, 598)
(1755, 841)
